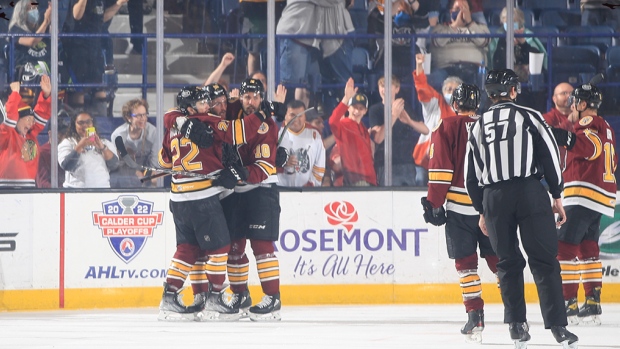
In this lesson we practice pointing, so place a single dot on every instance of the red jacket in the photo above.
(19, 156)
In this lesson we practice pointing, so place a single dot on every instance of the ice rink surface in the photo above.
(392, 326)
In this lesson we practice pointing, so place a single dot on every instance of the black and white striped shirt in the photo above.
(510, 141)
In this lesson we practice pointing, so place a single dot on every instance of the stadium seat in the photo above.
(574, 64)
(493, 4)
(602, 42)
(543, 31)
(545, 4)
(561, 19)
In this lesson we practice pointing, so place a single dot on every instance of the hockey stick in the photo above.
(122, 151)
(2, 110)
(288, 124)
(157, 175)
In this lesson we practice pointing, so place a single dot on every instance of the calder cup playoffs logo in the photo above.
(127, 222)
(341, 212)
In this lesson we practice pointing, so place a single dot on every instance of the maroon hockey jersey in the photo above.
(590, 165)
(446, 180)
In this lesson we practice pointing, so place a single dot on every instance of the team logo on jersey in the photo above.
(264, 128)
(586, 120)
(127, 222)
(222, 125)
(341, 213)
(29, 150)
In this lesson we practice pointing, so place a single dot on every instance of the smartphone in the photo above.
(90, 131)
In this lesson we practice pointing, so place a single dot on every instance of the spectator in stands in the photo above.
(86, 158)
(85, 57)
(405, 133)
(595, 12)
(305, 166)
(255, 22)
(425, 15)
(300, 58)
(19, 154)
(44, 172)
(477, 12)
(435, 106)
(522, 47)
(141, 141)
(314, 119)
(30, 49)
(352, 138)
(216, 74)
(458, 56)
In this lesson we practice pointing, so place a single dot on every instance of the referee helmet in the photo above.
(499, 83)
(588, 93)
(466, 96)
(189, 96)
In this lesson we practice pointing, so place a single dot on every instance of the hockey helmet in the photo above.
(499, 82)
(466, 96)
(252, 85)
(189, 96)
(588, 93)
(215, 90)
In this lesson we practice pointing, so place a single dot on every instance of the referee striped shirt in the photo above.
(507, 142)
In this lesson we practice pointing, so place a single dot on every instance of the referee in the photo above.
(510, 148)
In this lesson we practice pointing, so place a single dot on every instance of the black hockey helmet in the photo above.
(252, 85)
(215, 90)
(588, 93)
(466, 96)
(188, 96)
(499, 82)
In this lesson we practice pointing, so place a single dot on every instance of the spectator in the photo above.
(216, 74)
(458, 56)
(86, 60)
(255, 22)
(353, 139)
(305, 166)
(315, 120)
(86, 159)
(522, 47)
(19, 154)
(44, 172)
(402, 24)
(30, 49)
(299, 58)
(425, 17)
(405, 133)
(141, 141)
(435, 107)
(477, 12)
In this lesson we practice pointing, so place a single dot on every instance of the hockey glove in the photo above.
(434, 216)
(230, 176)
(276, 109)
(281, 157)
(198, 132)
(564, 138)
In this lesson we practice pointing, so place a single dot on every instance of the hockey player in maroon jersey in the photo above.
(193, 142)
(253, 211)
(589, 193)
(446, 183)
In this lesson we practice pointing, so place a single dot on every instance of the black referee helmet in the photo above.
(588, 93)
(466, 96)
(252, 85)
(188, 96)
(215, 90)
(499, 83)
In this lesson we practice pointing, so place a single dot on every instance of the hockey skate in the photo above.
(519, 332)
(591, 309)
(199, 302)
(242, 301)
(217, 308)
(572, 309)
(474, 326)
(564, 337)
(171, 307)
(267, 310)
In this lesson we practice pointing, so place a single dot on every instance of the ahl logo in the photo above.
(341, 212)
(126, 222)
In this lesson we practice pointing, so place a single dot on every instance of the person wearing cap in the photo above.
(352, 138)
(19, 148)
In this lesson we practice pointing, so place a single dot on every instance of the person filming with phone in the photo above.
(86, 158)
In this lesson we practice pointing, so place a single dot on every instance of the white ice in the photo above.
(391, 326)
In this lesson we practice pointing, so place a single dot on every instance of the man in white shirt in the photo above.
(306, 164)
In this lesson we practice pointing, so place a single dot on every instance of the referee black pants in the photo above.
(523, 203)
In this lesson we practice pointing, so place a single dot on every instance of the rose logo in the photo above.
(341, 212)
